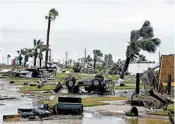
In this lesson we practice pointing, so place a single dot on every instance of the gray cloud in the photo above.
(85, 24)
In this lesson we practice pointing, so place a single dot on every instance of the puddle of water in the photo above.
(122, 120)
(146, 121)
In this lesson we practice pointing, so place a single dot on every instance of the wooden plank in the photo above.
(166, 67)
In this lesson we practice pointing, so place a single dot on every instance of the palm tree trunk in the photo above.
(24, 63)
(125, 67)
(34, 64)
(94, 64)
(40, 62)
(48, 34)
(20, 62)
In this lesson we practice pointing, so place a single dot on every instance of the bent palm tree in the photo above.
(51, 17)
(142, 39)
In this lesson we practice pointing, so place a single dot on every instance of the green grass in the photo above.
(19, 80)
(87, 102)
(95, 101)
(34, 88)
(130, 82)
(163, 112)
(112, 77)
(125, 87)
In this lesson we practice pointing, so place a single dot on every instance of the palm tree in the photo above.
(26, 52)
(88, 59)
(19, 58)
(141, 58)
(42, 49)
(37, 45)
(50, 17)
(97, 55)
(142, 39)
(8, 56)
(108, 59)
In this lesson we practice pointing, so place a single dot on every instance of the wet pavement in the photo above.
(96, 119)
(8, 107)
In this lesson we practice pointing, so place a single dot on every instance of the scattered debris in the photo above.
(6, 97)
(150, 98)
(96, 85)
(133, 112)
(30, 113)
(69, 105)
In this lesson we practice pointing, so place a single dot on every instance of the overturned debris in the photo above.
(96, 85)
(69, 105)
(132, 112)
(150, 98)
(30, 113)
(6, 97)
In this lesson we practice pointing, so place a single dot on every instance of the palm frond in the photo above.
(34, 42)
(156, 41)
(132, 50)
(135, 35)
(149, 45)
(38, 42)
(53, 13)
(8, 56)
(40, 56)
(146, 30)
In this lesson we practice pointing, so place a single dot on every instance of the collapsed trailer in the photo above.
(157, 89)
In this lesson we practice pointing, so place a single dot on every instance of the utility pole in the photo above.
(66, 59)
(85, 52)
(159, 57)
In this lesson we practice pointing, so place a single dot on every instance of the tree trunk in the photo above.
(47, 44)
(34, 64)
(20, 62)
(40, 62)
(25, 63)
(95, 64)
(125, 67)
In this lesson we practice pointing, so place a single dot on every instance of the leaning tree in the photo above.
(53, 13)
(142, 39)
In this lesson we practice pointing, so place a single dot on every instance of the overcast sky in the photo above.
(90, 24)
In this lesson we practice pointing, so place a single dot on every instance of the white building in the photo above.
(140, 67)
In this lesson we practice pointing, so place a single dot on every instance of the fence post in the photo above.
(137, 83)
